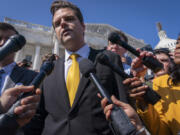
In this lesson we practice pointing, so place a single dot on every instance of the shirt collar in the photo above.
(8, 68)
(83, 52)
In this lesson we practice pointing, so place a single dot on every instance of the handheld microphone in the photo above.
(148, 61)
(46, 68)
(150, 96)
(120, 123)
(88, 70)
(13, 44)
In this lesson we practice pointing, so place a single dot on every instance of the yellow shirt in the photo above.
(164, 117)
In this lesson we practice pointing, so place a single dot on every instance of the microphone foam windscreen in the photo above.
(102, 58)
(19, 39)
(113, 37)
(86, 67)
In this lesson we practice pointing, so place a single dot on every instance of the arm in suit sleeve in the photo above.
(36, 125)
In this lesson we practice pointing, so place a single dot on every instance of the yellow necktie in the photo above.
(73, 78)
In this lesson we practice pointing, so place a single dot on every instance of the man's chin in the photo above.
(67, 44)
(65, 40)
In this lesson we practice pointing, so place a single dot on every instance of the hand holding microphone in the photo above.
(148, 61)
(120, 123)
(130, 112)
(27, 109)
(150, 96)
(45, 70)
(21, 112)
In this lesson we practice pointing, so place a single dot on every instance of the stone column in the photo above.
(18, 56)
(37, 62)
(56, 48)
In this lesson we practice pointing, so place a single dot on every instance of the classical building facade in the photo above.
(41, 40)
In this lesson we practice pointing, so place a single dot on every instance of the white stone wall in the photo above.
(41, 39)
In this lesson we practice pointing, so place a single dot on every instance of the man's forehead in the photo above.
(64, 12)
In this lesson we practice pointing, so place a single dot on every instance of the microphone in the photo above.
(87, 69)
(120, 123)
(46, 68)
(150, 96)
(13, 44)
(148, 61)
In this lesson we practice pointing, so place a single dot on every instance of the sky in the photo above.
(138, 18)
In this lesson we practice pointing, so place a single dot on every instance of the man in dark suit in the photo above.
(74, 109)
(10, 73)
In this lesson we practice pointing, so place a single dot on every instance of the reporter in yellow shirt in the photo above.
(164, 117)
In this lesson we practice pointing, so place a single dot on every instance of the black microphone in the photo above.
(148, 61)
(13, 44)
(46, 68)
(150, 96)
(87, 69)
(120, 123)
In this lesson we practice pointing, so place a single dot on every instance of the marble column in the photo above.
(37, 62)
(18, 56)
(56, 48)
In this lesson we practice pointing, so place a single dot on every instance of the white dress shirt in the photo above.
(83, 52)
(7, 72)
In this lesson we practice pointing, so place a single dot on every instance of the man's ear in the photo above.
(84, 26)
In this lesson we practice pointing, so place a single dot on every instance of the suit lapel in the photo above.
(84, 81)
(62, 84)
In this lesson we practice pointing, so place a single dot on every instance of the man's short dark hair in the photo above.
(6, 26)
(121, 35)
(56, 5)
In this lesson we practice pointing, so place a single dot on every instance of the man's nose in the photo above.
(63, 23)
